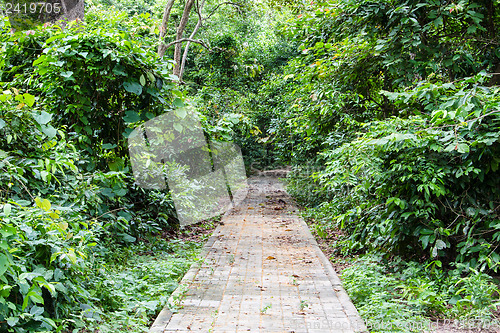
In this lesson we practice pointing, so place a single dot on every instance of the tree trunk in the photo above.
(163, 28)
(180, 31)
(186, 49)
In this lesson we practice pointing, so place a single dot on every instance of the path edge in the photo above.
(357, 323)
(163, 318)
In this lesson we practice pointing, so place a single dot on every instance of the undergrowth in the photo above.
(400, 296)
(132, 285)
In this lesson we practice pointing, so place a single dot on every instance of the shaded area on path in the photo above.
(262, 272)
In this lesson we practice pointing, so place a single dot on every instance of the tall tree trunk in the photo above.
(180, 31)
(186, 49)
(163, 28)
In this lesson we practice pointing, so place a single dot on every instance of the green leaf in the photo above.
(36, 310)
(142, 80)
(425, 241)
(71, 256)
(108, 146)
(2, 123)
(121, 192)
(178, 103)
(12, 321)
(67, 74)
(35, 297)
(181, 113)
(434, 251)
(119, 70)
(7, 209)
(133, 87)
(117, 165)
(440, 244)
(4, 263)
(462, 148)
(49, 321)
(43, 118)
(151, 77)
(178, 127)
(127, 238)
(29, 99)
(49, 131)
(131, 117)
(43, 204)
(471, 29)
(438, 21)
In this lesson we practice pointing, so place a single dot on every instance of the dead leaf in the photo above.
(270, 258)
(250, 207)
(288, 230)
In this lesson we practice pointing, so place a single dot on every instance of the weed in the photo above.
(265, 308)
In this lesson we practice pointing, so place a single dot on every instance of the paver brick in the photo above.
(263, 272)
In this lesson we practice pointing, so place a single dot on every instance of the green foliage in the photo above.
(425, 184)
(67, 196)
(391, 102)
(398, 298)
(133, 286)
(101, 83)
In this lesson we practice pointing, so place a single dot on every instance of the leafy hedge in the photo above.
(393, 102)
(425, 183)
(70, 98)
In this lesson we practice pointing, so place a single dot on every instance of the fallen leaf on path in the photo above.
(270, 258)
(288, 230)
(250, 207)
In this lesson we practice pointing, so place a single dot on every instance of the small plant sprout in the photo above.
(264, 309)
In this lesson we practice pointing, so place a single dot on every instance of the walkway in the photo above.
(263, 272)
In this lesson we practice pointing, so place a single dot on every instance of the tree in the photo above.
(180, 56)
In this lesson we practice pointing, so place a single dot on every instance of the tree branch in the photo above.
(202, 43)
(163, 28)
(196, 28)
(235, 4)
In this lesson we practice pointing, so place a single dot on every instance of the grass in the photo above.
(134, 284)
(406, 296)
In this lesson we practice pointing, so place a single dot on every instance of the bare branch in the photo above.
(178, 36)
(196, 28)
(202, 43)
(234, 4)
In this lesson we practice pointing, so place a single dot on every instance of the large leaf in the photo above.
(133, 87)
(4, 263)
(178, 103)
(43, 118)
(49, 131)
(29, 99)
(131, 117)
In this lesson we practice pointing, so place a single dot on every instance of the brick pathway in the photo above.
(262, 272)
